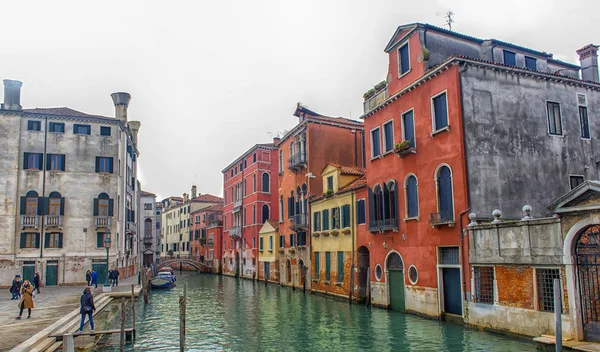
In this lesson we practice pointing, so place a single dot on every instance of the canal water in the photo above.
(228, 314)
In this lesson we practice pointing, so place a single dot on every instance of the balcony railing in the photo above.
(30, 221)
(445, 217)
(53, 221)
(375, 100)
(103, 221)
(383, 225)
(148, 240)
(299, 221)
(210, 243)
(297, 161)
(235, 232)
(237, 205)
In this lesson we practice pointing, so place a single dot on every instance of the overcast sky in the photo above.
(209, 79)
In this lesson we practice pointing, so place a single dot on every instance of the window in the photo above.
(254, 214)
(340, 267)
(56, 127)
(104, 131)
(254, 183)
(412, 197)
(388, 136)
(575, 180)
(56, 204)
(265, 182)
(55, 162)
(530, 63)
(245, 164)
(32, 161)
(317, 264)
(330, 183)
(53, 240)
(335, 218)
(260, 244)
(328, 266)
(403, 60)
(445, 197)
(265, 213)
(103, 206)
(510, 58)
(281, 241)
(281, 161)
(584, 122)
(254, 157)
(148, 206)
(100, 240)
(281, 210)
(545, 283)
(440, 112)
(244, 187)
(345, 215)
(30, 240)
(104, 164)
(413, 274)
(484, 284)
(82, 129)
(378, 272)
(270, 243)
(33, 125)
(408, 128)
(375, 143)
(360, 212)
(554, 119)
(325, 219)
(292, 243)
(317, 221)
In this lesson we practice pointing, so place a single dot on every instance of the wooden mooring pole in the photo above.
(133, 312)
(122, 334)
(557, 312)
(145, 286)
(182, 305)
(68, 343)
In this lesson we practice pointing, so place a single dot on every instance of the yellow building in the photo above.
(333, 231)
(268, 252)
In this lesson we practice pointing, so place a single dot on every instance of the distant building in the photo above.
(149, 223)
(201, 220)
(67, 185)
(268, 252)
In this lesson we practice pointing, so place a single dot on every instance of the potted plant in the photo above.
(379, 86)
(316, 234)
(329, 193)
(346, 231)
(335, 232)
(403, 148)
(369, 93)
(325, 233)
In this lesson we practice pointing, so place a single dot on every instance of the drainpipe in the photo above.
(353, 221)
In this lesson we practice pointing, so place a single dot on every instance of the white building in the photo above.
(67, 184)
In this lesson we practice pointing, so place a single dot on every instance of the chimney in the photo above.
(193, 191)
(588, 57)
(134, 127)
(12, 95)
(121, 101)
(276, 140)
(185, 198)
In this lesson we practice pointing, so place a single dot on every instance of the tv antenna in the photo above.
(449, 19)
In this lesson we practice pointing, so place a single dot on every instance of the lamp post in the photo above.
(107, 246)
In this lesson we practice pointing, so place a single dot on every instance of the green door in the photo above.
(28, 272)
(51, 274)
(396, 282)
(101, 270)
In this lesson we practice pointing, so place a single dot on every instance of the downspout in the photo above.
(44, 161)
(353, 221)
(364, 148)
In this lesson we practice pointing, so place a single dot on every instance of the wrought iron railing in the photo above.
(30, 221)
(102, 221)
(237, 205)
(383, 225)
(299, 221)
(235, 231)
(53, 221)
(297, 160)
(441, 218)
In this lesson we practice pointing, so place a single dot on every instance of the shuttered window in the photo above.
(82, 129)
(317, 221)
(340, 267)
(30, 240)
(104, 164)
(55, 162)
(328, 266)
(325, 219)
(56, 127)
(388, 135)
(412, 197)
(403, 59)
(510, 58)
(32, 161)
(530, 63)
(408, 128)
(375, 143)
(105, 131)
(260, 244)
(346, 215)
(33, 125)
(317, 264)
(360, 212)
(440, 112)
(53, 240)
(584, 122)
(554, 119)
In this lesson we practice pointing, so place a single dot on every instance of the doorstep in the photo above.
(568, 343)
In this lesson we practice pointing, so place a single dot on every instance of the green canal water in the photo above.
(228, 314)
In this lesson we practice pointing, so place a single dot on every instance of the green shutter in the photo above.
(40, 161)
(25, 157)
(95, 206)
(60, 240)
(22, 240)
(37, 240)
(48, 161)
(346, 215)
(23, 206)
(325, 219)
(62, 206)
(327, 265)
(340, 266)
(111, 203)
(317, 264)
(98, 240)
(97, 164)
(261, 243)
(46, 240)
(41, 206)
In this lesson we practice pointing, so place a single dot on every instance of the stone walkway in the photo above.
(50, 305)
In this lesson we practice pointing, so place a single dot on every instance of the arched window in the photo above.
(412, 197)
(292, 146)
(56, 204)
(265, 182)
(281, 160)
(444, 193)
(30, 204)
(265, 213)
(378, 202)
(148, 228)
(393, 200)
(103, 205)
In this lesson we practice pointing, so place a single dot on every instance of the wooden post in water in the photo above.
(122, 334)
(182, 306)
(68, 343)
(557, 318)
(133, 311)
(145, 286)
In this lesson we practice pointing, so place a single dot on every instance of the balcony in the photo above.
(148, 240)
(210, 243)
(375, 100)
(445, 217)
(299, 222)
(297, 161)
(383, 225)
(30, 221)
(103, 221)
(53, 221)
(235, 232)
(237, 205)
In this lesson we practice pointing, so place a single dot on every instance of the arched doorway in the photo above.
(587, 253)
(289, 271)
(395, 270)
(363, 273)
(302, 271)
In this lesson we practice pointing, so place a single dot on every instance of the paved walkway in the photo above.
(51, 304)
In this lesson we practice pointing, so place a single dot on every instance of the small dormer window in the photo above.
(510, 58)
(301, 116)
(530, 63)
(403, 60)
(330, 183)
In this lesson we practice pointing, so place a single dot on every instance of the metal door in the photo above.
(51, 274)
(395, 268)
(101, 269)
(587, 252)
(28, 271)
(452, 296)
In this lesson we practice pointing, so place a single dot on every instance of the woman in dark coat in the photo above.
(14, 288)
(87, 308)
(88, 277)
(27, 300)
(36, 282)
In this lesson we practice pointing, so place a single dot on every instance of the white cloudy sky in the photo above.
(209, 79)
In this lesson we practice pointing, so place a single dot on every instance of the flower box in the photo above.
(325, 233)
(328, 194)
(346, 231)
(316, 234)
(335, 232)
(292, 250)
(403, 148)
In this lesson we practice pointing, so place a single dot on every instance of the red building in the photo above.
(250, 192)
(199, 223)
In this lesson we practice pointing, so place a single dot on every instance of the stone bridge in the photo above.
(174, 262)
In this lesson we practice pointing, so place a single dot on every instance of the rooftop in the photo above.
(349, 170)
(63, 111)
(209, 198)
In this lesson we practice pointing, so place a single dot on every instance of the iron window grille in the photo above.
(484, 284)
(545, 284)
(449, 255)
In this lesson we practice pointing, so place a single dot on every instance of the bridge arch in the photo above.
(171, 262)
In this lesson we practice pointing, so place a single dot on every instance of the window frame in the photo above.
(54, 240)
(328, 266)
(76, 127)
(403, 125)
(406, 204)
(104, 128)
(30, 240)
(530, 58)
(572, 176)
(108, 164)
(373, 156)
(32, 124)
(330, 186)
(59, 162)
(52, 127)
(35, 161)
(560, 120)
(434, 129)
(385, 136)
(398, 52)
(340, 267)
(514, 54)
(364, 201)
(477, 285)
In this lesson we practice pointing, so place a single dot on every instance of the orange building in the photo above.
(302, 154)
(200, 220)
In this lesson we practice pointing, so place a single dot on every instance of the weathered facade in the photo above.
(200, 222)
(268, 252)
(149, 223)
(67, 184)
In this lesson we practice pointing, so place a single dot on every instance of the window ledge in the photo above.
(34, 131)
(53, 132)
(315, 280)
(556, 135)
(337, 283)
(387, 152)
(445, 129)
(327, 282)
(270, 251)
(376, 157)
(404, 74)
(81, 134)
(413, 218)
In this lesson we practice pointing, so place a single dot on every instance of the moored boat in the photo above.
(164, 279)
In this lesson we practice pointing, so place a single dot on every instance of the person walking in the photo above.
(27, 300)
(94, 278)
(87, 308)
(116, 276)
(14, 288)
(111, 277)
(36, 282)
(19, 285)
(88, 277)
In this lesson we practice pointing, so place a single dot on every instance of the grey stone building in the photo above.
(149, 221)
(67, 186)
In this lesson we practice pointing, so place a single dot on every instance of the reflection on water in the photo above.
(230, 314)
